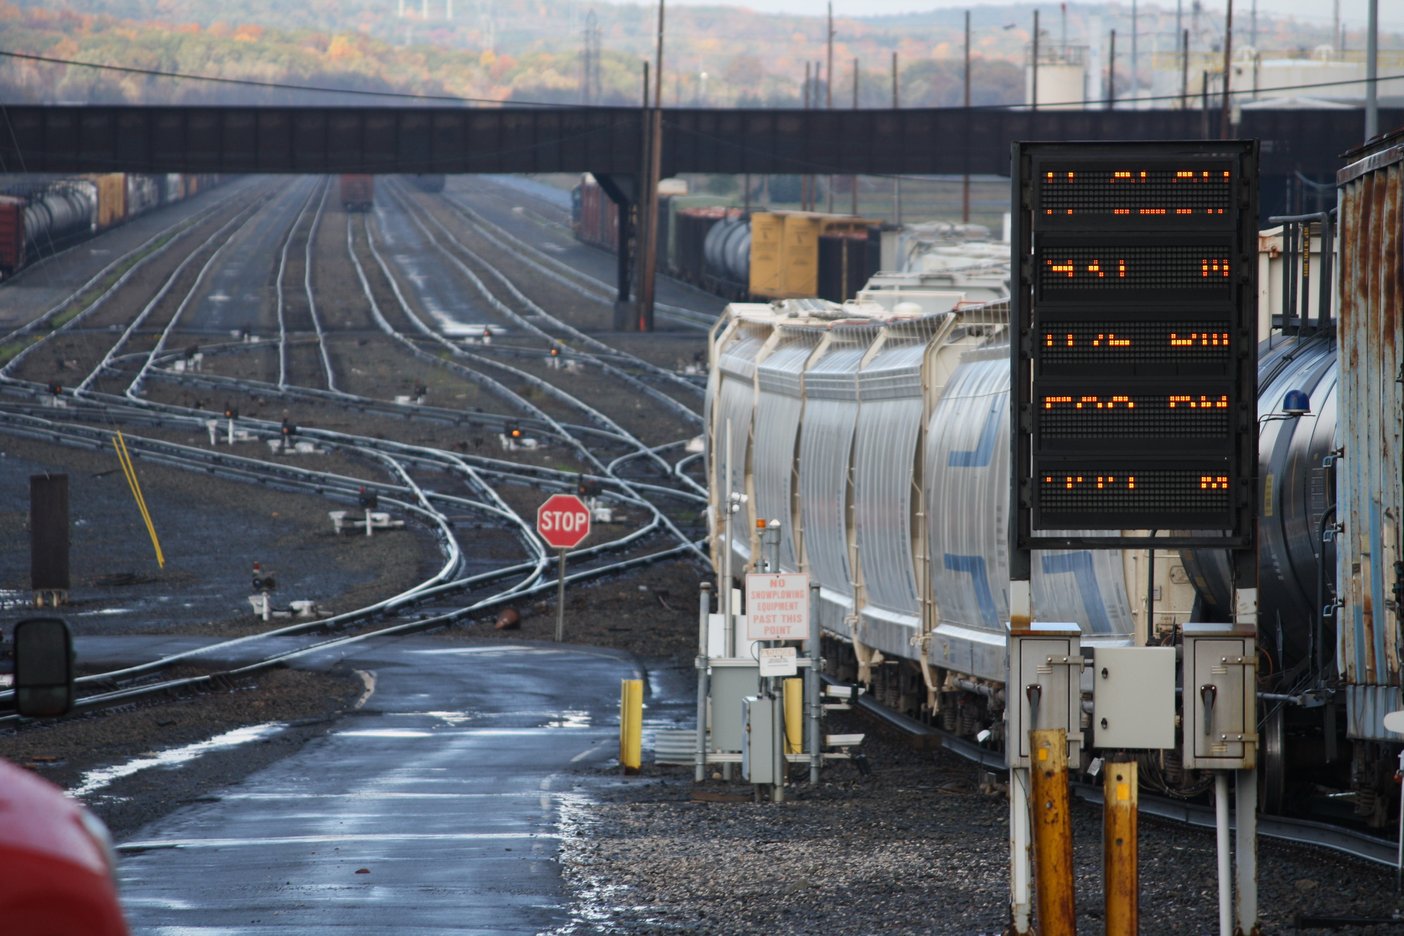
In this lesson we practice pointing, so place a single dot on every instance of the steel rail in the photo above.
(1296, 831)
(590, 287)
(145, 253)
(279, 300)
(541, 313)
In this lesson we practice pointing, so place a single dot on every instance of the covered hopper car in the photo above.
(876, 433)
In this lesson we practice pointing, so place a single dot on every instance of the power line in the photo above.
(270, 85)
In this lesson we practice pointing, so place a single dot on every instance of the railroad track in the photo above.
(1191, 813)
(141, 378)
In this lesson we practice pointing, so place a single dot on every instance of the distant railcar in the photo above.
(431, 182)
(41, 214)
(763, 255)
(358, 192)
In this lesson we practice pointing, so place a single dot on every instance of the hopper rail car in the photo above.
(878, 437)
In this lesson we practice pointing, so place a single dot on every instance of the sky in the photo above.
(1353, 12)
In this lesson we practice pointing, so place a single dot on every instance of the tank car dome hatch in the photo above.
(1296, 403)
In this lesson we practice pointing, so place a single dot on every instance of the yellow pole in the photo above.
(794, 716)
(631, 725)
(129, 471)
(1120, 794)
(1052, 832)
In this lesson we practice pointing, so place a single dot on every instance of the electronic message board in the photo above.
(1135, 348)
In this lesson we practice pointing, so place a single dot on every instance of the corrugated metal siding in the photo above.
(826, 449)
(1369, 496)
(967, 490)
(890, 394)
(777, 430)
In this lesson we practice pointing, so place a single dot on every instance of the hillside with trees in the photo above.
(518, 51)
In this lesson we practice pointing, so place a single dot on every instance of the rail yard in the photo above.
(359, 404)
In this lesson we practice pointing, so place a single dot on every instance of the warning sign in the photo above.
(777, 606)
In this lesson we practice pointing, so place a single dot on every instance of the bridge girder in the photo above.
(911, 141)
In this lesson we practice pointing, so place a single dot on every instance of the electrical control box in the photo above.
(1043, 690)
(1220, 697)
(1133, 698)
(758, 744)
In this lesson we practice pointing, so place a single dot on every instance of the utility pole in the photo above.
(654, 170)
(1135, 59)
(965, 179)
(1033, 98)
(1184, 71)
(1372, 71)
(829, 93)
(1111, 74)
(897, 180)
(853, 179)
(1225, 128)
(805, 180)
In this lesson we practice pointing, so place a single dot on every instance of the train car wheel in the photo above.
(1272, 771)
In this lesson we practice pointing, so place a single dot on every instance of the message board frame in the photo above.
(1134, 282)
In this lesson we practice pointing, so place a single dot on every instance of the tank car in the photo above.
(58, 214)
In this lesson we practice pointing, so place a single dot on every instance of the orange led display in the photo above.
(1134, 343)
(1199, 340)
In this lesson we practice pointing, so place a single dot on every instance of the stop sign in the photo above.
(563, 521)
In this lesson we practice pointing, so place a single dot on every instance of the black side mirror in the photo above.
(43, 667)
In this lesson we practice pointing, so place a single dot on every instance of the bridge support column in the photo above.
(623, 191)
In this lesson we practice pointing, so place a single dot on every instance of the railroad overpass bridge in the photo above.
(608, 141)
(1300, 148)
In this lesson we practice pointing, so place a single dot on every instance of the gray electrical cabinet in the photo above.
(1044, 688)
(1220, 684)
(731, 682)
(1133, 698)
(758, 744)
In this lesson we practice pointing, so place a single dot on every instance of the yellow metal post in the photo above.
(124, 458)
(631, 725)
(1122, 883)
(1052, 832)
(794, 716)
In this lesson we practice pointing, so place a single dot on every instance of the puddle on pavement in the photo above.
(95, 780)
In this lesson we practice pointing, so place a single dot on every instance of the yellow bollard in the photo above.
(1119, 827)
(1052, 832)
(631, 725)
(794, 716)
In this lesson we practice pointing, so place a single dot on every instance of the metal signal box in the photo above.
(1045, 670)
(1133, 698)
(1220, 696)
(758, 745)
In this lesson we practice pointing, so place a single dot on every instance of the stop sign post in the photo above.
(563, 521)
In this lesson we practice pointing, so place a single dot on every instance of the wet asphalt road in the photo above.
(436, 807)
